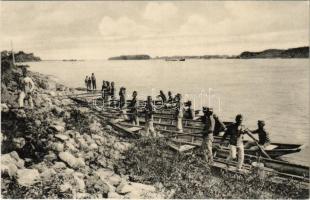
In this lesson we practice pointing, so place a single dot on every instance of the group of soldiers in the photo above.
(212, 126)
(90, 82)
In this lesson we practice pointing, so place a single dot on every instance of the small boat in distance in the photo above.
(175, 59)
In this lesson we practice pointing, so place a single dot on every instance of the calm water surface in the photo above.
(275, 90)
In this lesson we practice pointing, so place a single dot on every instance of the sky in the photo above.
(100, 29)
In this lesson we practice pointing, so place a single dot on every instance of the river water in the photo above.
(274, 90)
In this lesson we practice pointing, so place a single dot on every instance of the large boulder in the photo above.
(10, 163)
(61, 137)
(71, 160)
(27, 177)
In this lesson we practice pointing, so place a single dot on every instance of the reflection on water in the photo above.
(275, 90)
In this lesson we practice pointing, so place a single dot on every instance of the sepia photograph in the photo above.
(155, 99)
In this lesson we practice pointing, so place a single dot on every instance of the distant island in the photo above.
(20, 56)
(300, 52)
(131, 57)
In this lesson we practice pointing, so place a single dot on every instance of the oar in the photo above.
(260, 148)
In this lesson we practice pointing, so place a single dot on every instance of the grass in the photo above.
(188, 176)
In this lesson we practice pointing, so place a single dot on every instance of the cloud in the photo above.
(121, 28)
(160, 11)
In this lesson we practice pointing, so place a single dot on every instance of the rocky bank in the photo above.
(59, 150)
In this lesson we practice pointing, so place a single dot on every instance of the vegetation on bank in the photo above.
(19, 56)
(300, 52)
(131, 57)
(188, 176)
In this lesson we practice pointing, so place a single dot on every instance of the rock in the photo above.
(114, 195)
(65, 187)
(122, 146)
(83, 110)
(95, 185)
(78, 177)
(59, 166)
(82, 195)
(66, 102)
(57, 111)
(12, 158)
(114, 180)
(93, 146)
(19, 142)
(62, 137)
(56, 102)
(71, 133)
(37, 123)
(51, 156)
(27, 177)
(95, 127)
(71, 147)
(9, 169)
(108, 127)
(58, 128)
(57, 146)
(52, 93)
(41, 167)
(67, 115)
(72, 161)
(47, 174)
(136, 190)
(4, 108)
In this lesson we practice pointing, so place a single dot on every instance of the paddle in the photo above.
(260, 148)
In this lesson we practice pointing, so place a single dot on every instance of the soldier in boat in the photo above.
(236, 132)
(162, 96)
(263, 137)
(149, 121)
(212, 124)
(189, 113)
(170, 98)
(133, 107)
(179, 112)
(86, 83)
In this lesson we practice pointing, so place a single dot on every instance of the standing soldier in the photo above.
(27, 86)
(149, 121)
(122, 97)
(93, 80)
(86, 82)
(179, 112)
(210, 121)
(236, 132)
(133, 106)
(112, 93)
(89, 83)
(103, 88)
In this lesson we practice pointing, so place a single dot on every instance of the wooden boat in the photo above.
(281, 168)
(168, 124)
(181, 140)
